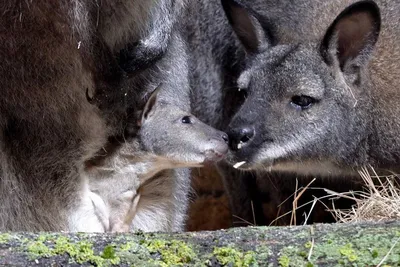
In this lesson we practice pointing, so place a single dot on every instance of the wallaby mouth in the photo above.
(213, 156)
(216, 152)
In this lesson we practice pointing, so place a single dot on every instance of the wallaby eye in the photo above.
(186, 119)
(302, 101)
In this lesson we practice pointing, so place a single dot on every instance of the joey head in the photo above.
(178, 135)
(170, 138)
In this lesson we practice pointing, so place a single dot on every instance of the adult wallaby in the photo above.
(216, 60)
(320, 107)
(142, 195)
(53, 53)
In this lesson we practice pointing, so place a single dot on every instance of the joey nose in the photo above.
(217, 149)
(239, 137)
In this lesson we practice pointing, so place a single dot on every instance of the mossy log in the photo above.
(317, 245)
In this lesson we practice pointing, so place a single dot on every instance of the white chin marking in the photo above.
(237, 165)
(320, 168)
(275, 152)
(240, 145)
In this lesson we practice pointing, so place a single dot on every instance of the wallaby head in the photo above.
(169, 138)
(169, 131)
(306, 102)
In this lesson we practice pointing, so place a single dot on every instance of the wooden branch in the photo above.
(318, 245)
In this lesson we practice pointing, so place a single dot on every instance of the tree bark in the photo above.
(368, 244)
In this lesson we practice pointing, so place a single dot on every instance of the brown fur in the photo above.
(52, 53)
(209, 208)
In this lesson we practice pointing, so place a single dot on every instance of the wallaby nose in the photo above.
(217, 147)
(239, 137)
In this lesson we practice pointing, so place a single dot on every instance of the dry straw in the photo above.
(380, 201)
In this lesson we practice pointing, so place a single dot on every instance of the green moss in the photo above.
(108, 252)
(249, 258)
(262, 254)
(43, 237)
(4, 238)
(308, 245)
(127, 246)
(374, 253)
(348, 252)
(80, 252)
(361, 250)
(229, 255)
(134, 254)
(364, 247)
(172, 253)
(284, 261)
(63, 245)
(83, 252)
(38, 250)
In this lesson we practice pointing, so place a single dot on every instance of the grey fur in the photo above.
(159, 135)
(217, 58)
(163, 134)
(139, 185)
(164, 200)
(354, 122)
(215, 61)
(52, 52)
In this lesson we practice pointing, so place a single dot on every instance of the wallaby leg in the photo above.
(100, 209)
(163, 202)
(91, 215)
(125, 224)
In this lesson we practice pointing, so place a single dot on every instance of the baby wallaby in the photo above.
(327, 107)
(132, 180)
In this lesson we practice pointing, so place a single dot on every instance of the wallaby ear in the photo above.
(352, 36)
(150, 104)
(246, 26)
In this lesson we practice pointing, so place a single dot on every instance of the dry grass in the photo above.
(299, 191)
(295, 202)
(380, 202)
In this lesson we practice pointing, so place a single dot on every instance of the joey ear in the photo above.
(352, 36)
(247, 26)
(150, 104)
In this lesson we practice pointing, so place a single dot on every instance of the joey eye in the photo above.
(186, 119)
(302, 101)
